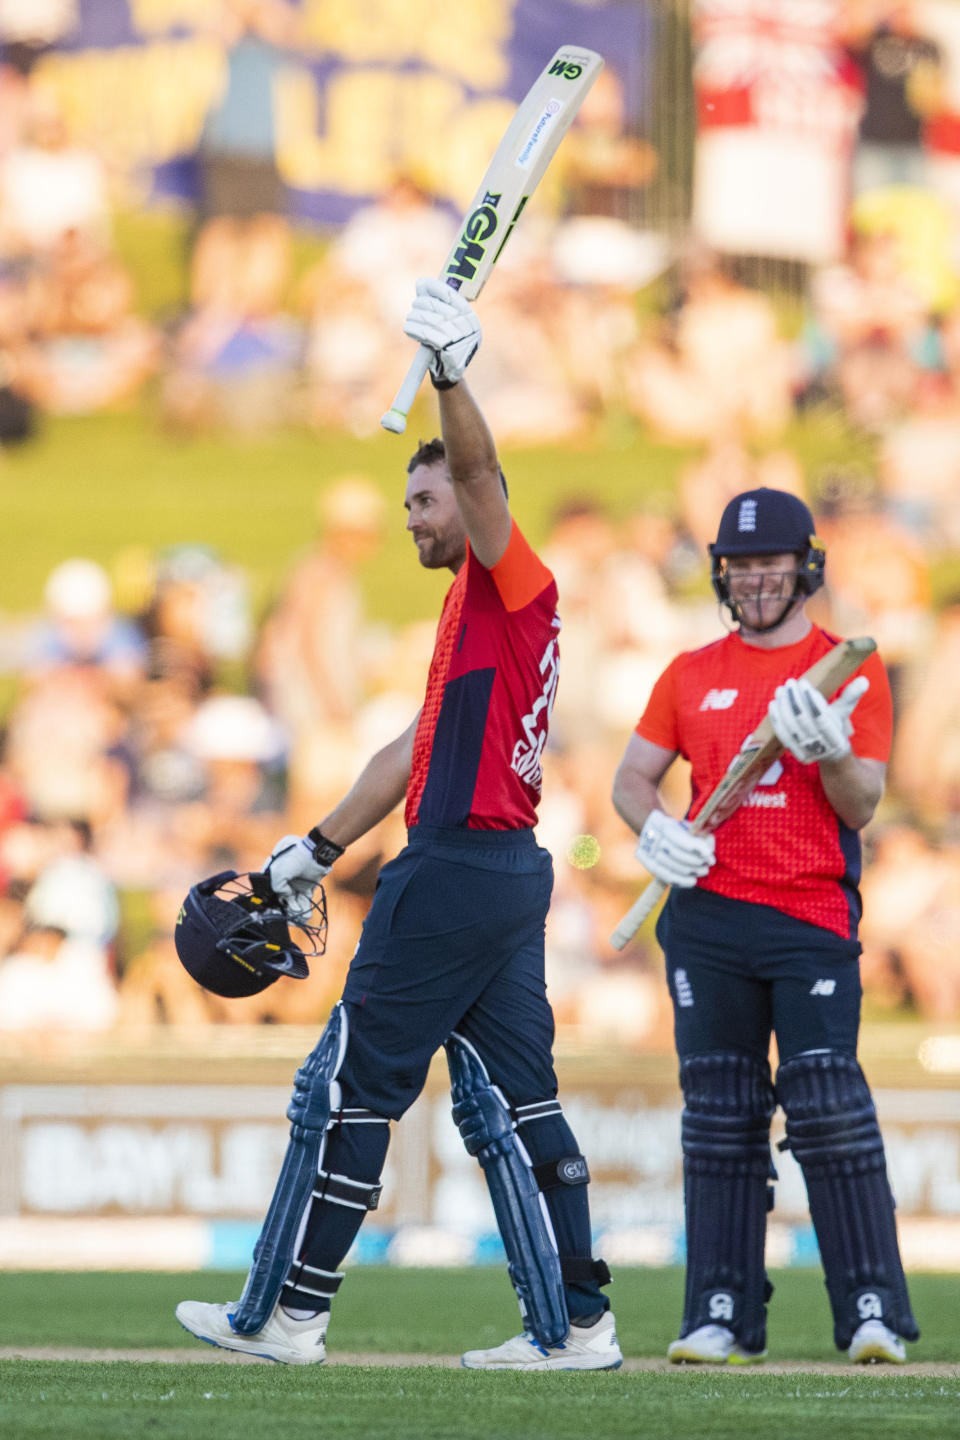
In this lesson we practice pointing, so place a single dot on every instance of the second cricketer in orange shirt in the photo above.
(760, 938)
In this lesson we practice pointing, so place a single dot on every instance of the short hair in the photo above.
(433, 452)
(428, 452)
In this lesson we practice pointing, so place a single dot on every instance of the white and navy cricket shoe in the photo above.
(288, 1341)
(593, 1347)
(712, 1345)
(873, 1343)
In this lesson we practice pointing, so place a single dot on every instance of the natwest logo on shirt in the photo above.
(718, 699)
(527, 751)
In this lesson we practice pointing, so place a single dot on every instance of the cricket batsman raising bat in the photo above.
(520, 162)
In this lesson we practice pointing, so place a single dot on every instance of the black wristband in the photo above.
(325, 851)
(441, 384)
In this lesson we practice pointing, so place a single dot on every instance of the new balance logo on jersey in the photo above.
(718, 699)
(823, 987)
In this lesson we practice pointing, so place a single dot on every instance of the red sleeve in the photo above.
(519, 575)
(872, 720)
(658, 723)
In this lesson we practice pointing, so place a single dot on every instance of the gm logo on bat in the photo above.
(567, 68)
(478, 227)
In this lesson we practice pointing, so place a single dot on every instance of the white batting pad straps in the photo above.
(308, 1280)
(523, 1114)
(341, 1190)
(354, 1115)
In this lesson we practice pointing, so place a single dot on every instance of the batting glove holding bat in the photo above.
(809, 727)
(442, 320)
(670, 851)
(295, 867)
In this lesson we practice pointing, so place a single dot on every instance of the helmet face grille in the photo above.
(767, 522)
(234, 940)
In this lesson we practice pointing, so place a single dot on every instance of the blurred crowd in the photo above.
(167, 770)
(172, 768)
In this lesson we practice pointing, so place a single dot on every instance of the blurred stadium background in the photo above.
(744, 267)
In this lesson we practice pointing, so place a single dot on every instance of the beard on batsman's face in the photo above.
(433, 518)
(438, 547)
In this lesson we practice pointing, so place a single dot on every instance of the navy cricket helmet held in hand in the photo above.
(768, 522)
(233, 936)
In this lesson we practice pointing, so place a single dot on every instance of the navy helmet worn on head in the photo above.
(768, 522)
(233, 937)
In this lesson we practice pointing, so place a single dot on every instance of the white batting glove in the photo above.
(810, 728)
(442, 320)
(669, 850)
(295, 867)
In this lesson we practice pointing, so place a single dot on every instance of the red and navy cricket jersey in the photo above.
(490, 692)
(785, 846)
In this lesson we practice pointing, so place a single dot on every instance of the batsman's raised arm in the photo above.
(443, 321)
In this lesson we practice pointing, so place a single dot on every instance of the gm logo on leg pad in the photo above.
(721, 1306)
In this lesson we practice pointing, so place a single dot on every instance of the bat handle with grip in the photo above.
(395, 418)
(637, 913)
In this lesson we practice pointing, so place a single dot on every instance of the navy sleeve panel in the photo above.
(457, 742)
(850, 880)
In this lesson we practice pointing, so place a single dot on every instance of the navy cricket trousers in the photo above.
(454, 940)
(739, 971)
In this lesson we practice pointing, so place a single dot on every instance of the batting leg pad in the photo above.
(487, 1128)
(562, 1176)
(833, 1133)
(727, 1170)
(315, 1094)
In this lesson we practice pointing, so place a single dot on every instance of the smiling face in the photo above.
(762, 587)
(434, 519)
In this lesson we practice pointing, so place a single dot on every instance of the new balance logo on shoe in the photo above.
(718, 699)
(823, 987)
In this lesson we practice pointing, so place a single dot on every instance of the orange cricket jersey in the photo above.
(785, 846)
(490, 692)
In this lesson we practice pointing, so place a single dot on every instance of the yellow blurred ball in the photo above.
(583, 851)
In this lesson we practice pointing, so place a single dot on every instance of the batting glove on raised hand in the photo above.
(295, 867)
(442, 320)
(809, 727)
(669, 849)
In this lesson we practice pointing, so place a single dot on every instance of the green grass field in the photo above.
(438, 1313)
(101, 485)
